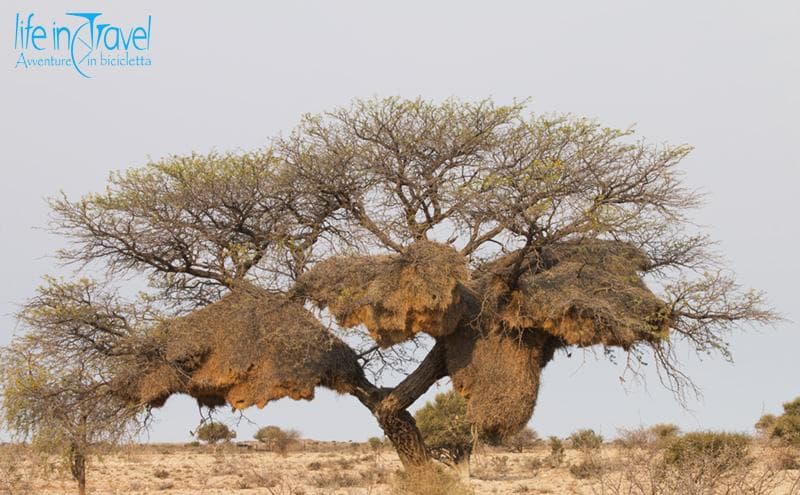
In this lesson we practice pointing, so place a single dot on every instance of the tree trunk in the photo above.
(389, 408)
(401, 429)
(78, 467)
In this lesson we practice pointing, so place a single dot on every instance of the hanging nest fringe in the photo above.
(498, 375)
(249, 348)
(393, 296)
(586, 293)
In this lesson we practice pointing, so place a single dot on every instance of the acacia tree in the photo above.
(55, 388)
(504, 237)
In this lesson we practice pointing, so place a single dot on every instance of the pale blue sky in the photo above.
(720, 75)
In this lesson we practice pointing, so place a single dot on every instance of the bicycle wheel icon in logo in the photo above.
(82, 44)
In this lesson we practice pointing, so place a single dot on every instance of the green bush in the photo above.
(277, 440)
(792, 408)
(586, 439)
(214, 432)
(444, 427)
(718, 449)
(703, 459)
(787, 428)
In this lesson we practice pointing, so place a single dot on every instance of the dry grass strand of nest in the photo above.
(393, 296)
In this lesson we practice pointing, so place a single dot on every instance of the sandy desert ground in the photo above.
(316, 468)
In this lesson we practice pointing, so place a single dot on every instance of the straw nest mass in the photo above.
(500, 324)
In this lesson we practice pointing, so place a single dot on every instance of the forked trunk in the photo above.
(389, 408)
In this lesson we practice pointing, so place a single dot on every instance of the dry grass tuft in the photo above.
(161, 473)
(557, 452)
(429, 482)
(335, 479)
(590, 466)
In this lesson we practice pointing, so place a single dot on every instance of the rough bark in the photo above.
(401, 429)
(389, 407)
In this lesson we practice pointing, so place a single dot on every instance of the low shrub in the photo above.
(765, 423)
(792, 408)
(705, 463)
(586, 439)
(444, 427)
(708, 450)
(526, 438)
(277, 440)
(557, 453)
(635, 438)
(664, 431)
(375, 475)
(787, 429)
(214, 432)
(589, 467)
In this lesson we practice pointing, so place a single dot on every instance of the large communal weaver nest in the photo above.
(566, 294)
(393, 296)
(249, 348)
(498, 375)
(585, 293)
